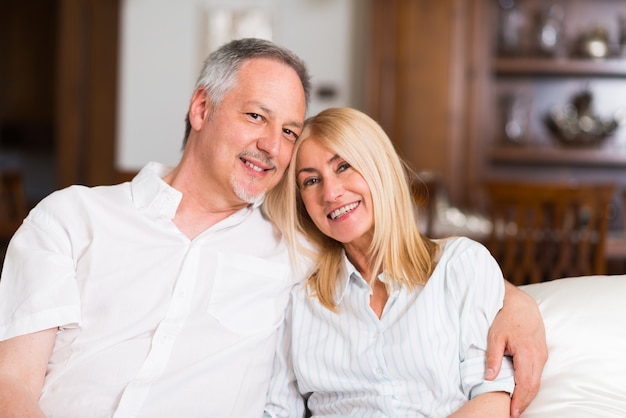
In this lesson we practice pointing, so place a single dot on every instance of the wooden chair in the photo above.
(542, 232)
(615, 250)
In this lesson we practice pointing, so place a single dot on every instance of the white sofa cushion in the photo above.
(585, 320)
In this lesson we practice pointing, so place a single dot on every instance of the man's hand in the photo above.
(518, 330)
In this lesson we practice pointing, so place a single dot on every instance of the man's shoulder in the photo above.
(80, 191)
(77, 197)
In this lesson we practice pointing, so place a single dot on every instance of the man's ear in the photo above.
(199, 108)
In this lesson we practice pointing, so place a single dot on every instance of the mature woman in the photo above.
(389, 323)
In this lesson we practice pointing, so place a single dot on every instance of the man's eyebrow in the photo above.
(292, 124)
(295, 125)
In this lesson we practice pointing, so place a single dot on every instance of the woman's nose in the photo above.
(333, 189)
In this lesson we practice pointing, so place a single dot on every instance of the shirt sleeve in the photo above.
(480, 296)
(283, 397)
(38, 289)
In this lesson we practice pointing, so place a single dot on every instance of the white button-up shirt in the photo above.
(151, 323)
(425, 356)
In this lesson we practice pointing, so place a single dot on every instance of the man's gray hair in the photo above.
(221, 67)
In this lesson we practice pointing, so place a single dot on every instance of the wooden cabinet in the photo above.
(416, 82)
(540, 87)
(439, 84)
(517, 90)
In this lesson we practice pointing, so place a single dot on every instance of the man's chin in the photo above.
(251, 192)
(255, 200)
(250, 197)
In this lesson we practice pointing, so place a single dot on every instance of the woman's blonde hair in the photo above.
(398, 248)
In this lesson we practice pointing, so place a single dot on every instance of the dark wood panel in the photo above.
(87, 87)
(417, 81)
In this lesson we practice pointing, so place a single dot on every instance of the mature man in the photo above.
(162, 296)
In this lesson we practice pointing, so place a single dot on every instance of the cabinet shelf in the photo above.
(527, 155)
(610, 67)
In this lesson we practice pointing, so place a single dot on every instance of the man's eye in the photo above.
(291, 133)
(254, 116)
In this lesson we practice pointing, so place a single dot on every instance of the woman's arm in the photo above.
(518, 330)
(491, 404)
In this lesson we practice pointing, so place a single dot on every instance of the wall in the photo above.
(163, 43)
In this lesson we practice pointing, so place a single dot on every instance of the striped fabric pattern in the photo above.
(423, 358)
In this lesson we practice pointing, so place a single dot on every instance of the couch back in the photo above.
(585, 320)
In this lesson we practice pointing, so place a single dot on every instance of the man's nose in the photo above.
(270, 141)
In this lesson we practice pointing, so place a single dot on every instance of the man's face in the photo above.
(246, 142)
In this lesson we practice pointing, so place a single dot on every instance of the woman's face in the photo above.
(336, 196)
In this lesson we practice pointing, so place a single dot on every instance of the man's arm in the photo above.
(23, 363)
(518, 330)
(492, 404)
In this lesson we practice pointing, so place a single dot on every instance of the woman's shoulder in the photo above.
(452, 247)
(464, 262)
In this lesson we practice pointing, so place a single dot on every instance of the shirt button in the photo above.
(379, 370)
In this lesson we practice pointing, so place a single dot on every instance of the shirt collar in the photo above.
(153, 196)
(157, 199)
(351, 274)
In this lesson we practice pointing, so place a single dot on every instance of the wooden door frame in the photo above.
(87, 91)
(417, 84)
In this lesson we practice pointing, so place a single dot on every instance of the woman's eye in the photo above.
(309, 181)
(343, 167)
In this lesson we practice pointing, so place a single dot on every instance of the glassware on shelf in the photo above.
(594, 43)
(577, 124)
(510, 28)
(549, 36)
(515, 116)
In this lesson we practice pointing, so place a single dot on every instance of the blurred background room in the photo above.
(472, 92)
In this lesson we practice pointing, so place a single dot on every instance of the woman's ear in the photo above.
(199, 108)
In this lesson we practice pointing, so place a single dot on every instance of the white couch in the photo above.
(585, 320)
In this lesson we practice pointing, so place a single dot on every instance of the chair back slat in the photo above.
(542, 232)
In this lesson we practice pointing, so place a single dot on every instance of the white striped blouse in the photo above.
(424, 357)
